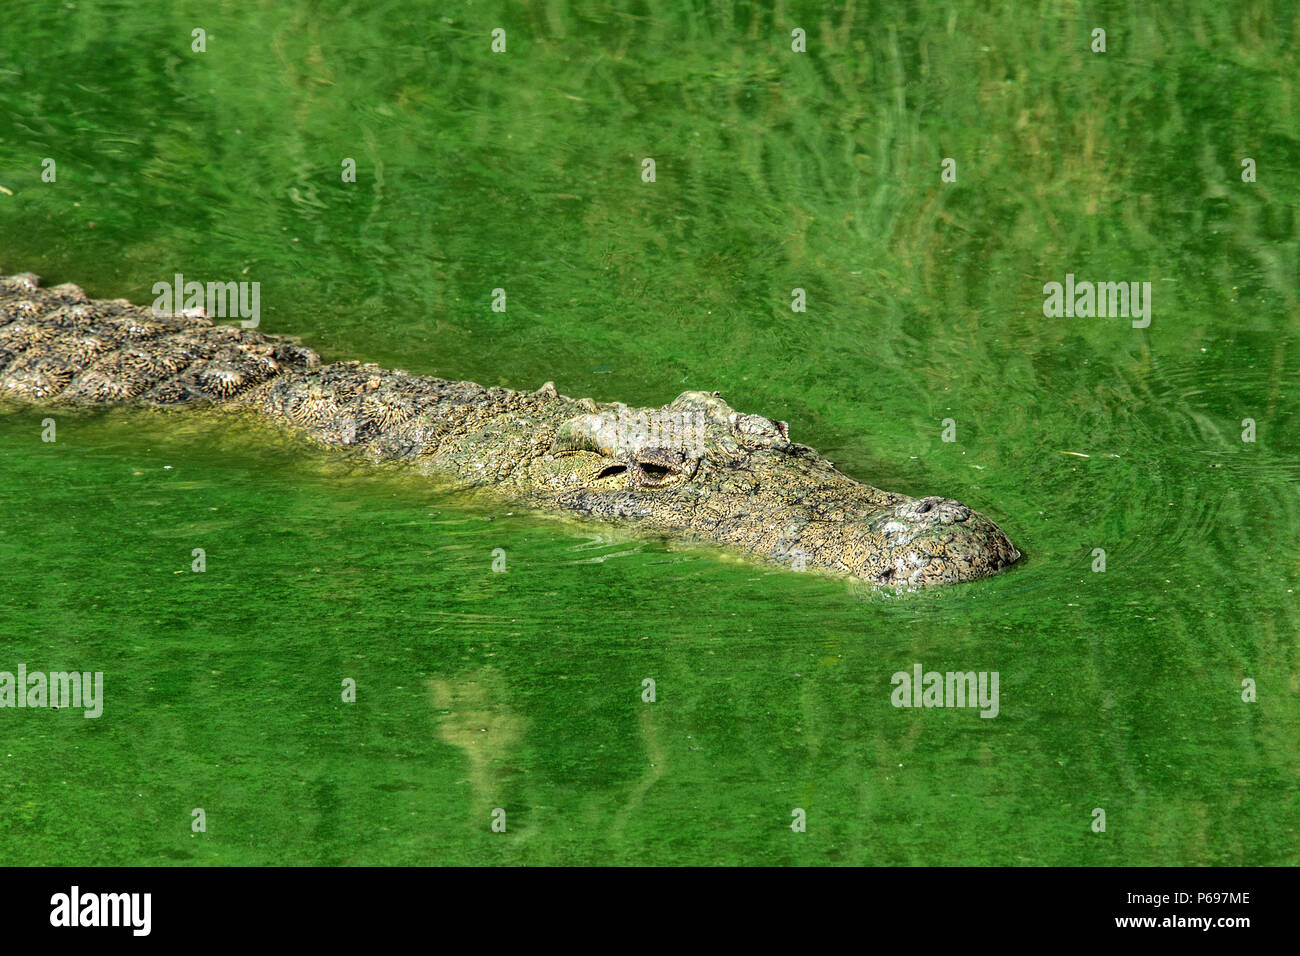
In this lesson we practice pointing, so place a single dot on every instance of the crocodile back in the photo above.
(57, 345)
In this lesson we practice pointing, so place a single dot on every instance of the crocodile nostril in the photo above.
(933, 510)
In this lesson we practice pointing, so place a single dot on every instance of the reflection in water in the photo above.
(654, 771)
(473, 719)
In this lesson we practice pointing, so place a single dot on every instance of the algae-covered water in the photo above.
(1161, 691)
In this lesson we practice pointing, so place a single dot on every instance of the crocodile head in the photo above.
(698, 469)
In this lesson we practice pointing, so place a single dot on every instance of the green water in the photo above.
(1120, 690)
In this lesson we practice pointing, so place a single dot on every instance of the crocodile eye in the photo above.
(655, 467)
(647, 468)
(652, 473)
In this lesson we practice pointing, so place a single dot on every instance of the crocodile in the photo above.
(693, 469)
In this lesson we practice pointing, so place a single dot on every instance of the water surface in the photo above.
(522, 690)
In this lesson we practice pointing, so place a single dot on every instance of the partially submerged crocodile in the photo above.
(694, 468)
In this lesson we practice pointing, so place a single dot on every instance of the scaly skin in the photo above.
(694, 469)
